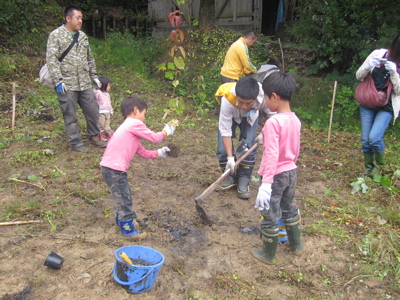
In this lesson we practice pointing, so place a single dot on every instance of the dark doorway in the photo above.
(269, 15)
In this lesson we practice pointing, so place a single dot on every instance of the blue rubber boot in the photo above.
(282, 232)
(128, 229)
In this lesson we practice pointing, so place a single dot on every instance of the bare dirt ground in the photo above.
(201, 262)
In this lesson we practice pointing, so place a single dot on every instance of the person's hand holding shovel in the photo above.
(230, 164)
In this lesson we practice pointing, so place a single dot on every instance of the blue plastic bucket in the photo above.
(137, 279)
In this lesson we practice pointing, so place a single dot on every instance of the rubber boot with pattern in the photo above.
(128, 229)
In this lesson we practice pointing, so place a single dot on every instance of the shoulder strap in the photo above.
(74, 41)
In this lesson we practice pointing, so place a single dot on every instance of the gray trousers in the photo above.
(118, 183)
(68, 106)
(226, 79)
(281, 204)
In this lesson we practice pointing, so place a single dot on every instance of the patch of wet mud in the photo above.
(186, 236)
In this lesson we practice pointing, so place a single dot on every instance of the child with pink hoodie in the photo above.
(278, 170)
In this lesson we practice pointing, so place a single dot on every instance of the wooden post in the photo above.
(104, 26)
(93, 27)
(13, 106)
(333, 106)
(283, 61)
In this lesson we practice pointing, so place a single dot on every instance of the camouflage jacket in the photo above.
(78, 68)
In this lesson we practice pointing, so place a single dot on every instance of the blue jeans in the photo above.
(118, 183)
(374, 122)
(281, 203)
(247, 132)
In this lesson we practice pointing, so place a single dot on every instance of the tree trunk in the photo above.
(207, 18)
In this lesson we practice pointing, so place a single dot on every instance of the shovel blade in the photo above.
(203, 215)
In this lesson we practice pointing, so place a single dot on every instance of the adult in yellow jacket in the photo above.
(237, 59)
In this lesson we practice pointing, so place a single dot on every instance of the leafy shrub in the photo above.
(345, 32)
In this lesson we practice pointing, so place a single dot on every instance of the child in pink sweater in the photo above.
(105, 108)
(121, 149)
(278, 170)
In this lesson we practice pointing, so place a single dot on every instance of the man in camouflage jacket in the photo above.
(73, 78)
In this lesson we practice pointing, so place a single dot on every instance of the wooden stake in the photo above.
(333, 106)
(19, 222)
(13, 106)
(283, 62)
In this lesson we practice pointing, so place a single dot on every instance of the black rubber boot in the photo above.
(270, 243)
(292, 226)
(244, 175)
(230, 182)
(370, 168)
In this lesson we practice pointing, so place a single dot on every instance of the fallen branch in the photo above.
(19, 222)
(51, 237)
(37, 185)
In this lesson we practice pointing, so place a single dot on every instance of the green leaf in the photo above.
(377, 177)
(161, 67)
(175, 83)
(171, 66)
(170, 75)
(386, 182)
(32, 177)
(179, 63)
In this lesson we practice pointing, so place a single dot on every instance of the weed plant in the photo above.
(137, 55)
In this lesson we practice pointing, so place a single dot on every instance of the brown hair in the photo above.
(129, 104)
(394, 50)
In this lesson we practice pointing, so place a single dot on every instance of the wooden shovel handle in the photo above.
(199, 199)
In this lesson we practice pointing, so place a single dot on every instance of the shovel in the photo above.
(199, 199)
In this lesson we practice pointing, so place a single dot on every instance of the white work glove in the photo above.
(230, 164)
(97, 82)
(372, 63)
(163, 152)
(259, 139)
(169, 129)
(61, 88)
(391, 67)
(263, 196)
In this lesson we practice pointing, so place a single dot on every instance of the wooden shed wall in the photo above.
(229, 12)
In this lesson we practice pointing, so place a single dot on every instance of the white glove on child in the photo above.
(97, 82)
(372, 63)
(263, 196)
(230, 164)
(259, 139)
(169, 129)
(391, 67)
(163, 152)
